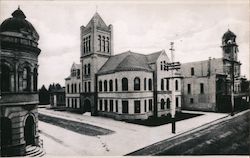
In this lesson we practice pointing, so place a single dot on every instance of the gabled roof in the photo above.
(75, 66)
(129, 61)
(99, 22)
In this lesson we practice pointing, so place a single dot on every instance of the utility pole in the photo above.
(232, 85)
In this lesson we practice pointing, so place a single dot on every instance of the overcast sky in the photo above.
(196, 27)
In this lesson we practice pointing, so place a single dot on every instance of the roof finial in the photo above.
(18, 7)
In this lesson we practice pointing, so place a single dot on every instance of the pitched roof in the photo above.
(99, 22)
(76, 66)
(128, 61)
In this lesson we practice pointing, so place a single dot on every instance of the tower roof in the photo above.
(98, 20)
(228, 34)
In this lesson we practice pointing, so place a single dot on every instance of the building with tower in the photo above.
(209, 85)
(128, 85)
(18, 92)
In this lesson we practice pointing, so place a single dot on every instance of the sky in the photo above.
(196, 28)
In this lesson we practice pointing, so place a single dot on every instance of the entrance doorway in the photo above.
(6, 136)
(87, 105)
(29, 131)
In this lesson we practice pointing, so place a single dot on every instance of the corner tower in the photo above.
(96, 48)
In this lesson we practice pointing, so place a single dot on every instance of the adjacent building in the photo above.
(207, 85)
(18, 92)
(123, 86)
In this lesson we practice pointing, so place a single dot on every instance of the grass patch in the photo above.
(152, 122)
(78, 127)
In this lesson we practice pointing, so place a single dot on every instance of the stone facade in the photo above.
(19, 96)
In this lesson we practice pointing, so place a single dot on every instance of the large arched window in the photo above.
(137, 84)
(5, 80)
(110, 85)
(26, 79)
(168, 103)
(150, 84)
(107, 45)
(176, 85)
(162, 104)
(35, 79)
(100, 86)
(105, 86)
(124, 84)
(145, 84)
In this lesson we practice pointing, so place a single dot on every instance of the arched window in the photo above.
(35, 79)
(162, 104)
(168, 103)
(110, 85)
(100, 43)
(162, 84)
(26, 79)
(107, 44)
(150, 84)
(176, 85)
(89, 43)
(79, 87)
(72, 88)
(167, 85)
(124, 84)
(84, 46)
(137, 84)
(68, 88)
(145, 84)
(5, 80)
(89, 68)
(105, 86)
(103, 42)
(75, 88)
(100, 86)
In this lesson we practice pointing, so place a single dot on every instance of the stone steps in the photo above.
(34, 151)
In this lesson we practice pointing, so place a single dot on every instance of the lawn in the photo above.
(152, 122)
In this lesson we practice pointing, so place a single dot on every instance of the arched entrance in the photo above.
(6, 136)
(29, 131)
(87, 105)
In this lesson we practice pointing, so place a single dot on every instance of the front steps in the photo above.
(34, 151)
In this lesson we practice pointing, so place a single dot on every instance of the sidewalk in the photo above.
(127, 137)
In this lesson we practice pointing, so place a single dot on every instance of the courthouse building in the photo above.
(128, 85)
(18, 92)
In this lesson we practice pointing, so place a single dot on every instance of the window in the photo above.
(99, 43)
(110, 85)
(26, 79)
(84, 45)
(116, 106)
(189, 88)
(89, 43)
(168, 103)
(145, 84)
(78, 73)
(85, 86)
(176, 85)
(107, 45)
(150, 84)
(192, 71)
(167, 86)
(161, 65)
(88, 69)
(100, 105)
(68, 102)
(72, 103)
(75, 88)
(79, 87)
(35, 79)
(68, 88)
(105, 86)
(150, 104)
(162, 104)
(85, 69)
(111, 105)
(191, 100)
(177, 101)
(145, 105)
(72, 88)
(137, 84)
(124, 84)
(103, 44)
(100, 86)
(162, 84)
(89, 85)
(137, 106)
(116, 85)
(201, 88)
(124, 107)
(105, 105)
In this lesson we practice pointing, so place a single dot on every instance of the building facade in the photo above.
(18, 75)
(124, 86)
(207, 84)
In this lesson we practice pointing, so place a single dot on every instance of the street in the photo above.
(229, 137)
